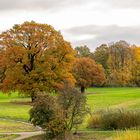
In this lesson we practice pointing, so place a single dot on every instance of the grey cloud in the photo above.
(122, 3)
(60, 4)
(38, 4)
(104, 34)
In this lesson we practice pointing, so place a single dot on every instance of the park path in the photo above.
(23, 135)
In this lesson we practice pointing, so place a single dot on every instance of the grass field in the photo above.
(101, 98)
(8, 108)
(97, 98)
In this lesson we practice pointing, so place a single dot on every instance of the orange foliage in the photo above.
(36, 58)
(87, 72)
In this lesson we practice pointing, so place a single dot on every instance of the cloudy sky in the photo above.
(82, 22)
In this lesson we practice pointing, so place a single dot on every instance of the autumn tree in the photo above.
(136, 66)
(35, 58)
(120, 64)
(87, 72)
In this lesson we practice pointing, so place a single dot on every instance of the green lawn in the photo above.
(101, 98)
(14, 111)
(10, 109)
(97, 98)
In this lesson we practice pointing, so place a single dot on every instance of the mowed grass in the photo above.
(97, 98)
(101, 98)
(9, 109)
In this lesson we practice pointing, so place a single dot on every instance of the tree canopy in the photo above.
(35, 57)
(87, 72)
(120, 64)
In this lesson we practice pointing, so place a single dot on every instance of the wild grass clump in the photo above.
(128, 135)
(115, 119)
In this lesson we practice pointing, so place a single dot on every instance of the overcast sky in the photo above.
(82, 22)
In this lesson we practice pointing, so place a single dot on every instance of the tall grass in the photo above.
(128, 135)
(115, 119)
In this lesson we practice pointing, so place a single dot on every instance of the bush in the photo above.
(94, 121)
(59, 114)
(115, 119)
(43, 111)
(47, 114)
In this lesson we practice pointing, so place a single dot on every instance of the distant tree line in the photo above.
(120, 61)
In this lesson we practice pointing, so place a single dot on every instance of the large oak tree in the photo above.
(34, 58)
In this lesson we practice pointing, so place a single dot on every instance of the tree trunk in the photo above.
(82, 89)
(33, 97)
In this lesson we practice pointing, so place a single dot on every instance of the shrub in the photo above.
(115, 119)
(94, 121)
(59, 114)
(43, 110)
(47, 114)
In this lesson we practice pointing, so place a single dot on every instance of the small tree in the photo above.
(73, 104)
(87, 72)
